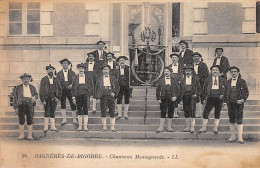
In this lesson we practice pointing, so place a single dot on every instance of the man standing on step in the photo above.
(100, 53)
(24, 98)
(202, 71)
(185, 54)
(177, 74)
(222, 61)
(65, 77)
(167, 93)
(106, 89)
(50, 93)
(190, 95)
(113, 64)
(82, 89)
(123, 79)
(236, 93)
(212, 96)
(92, 68)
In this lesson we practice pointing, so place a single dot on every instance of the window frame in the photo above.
(24, 20)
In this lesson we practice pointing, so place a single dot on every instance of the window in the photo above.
(258, 17)
(24, 18)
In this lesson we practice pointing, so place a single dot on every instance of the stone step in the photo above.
(130, 127)
(150, 108)
(137, 100)
(156, 114)
(130, 135)
(133, 120)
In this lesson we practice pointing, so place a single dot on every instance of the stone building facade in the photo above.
(35, 33)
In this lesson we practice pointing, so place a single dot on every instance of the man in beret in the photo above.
(177, 74)
(202, 71)
(212, 96)
(50, 93)
(65, 77)
(190, 88)
(100, 53)
(222, 61)
(92, 69)
(167, 93)
(24, 98)
(125, 90)
(113, 64)
(82, 90)
(185, 54)
(106, 89)
(235, 95)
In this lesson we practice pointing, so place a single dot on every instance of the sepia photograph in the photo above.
(129, 84)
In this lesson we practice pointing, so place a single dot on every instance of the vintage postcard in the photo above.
(129, 84)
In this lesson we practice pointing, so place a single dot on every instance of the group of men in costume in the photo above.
(186, 80)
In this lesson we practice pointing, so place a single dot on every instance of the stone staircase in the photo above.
(136, 127)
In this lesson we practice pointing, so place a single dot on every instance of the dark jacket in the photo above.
(242, 89)
(208, 86)
(18, 94)
(96, 70)
(195, 86)
(99, 86)
(187, 58)
(126, 74)
(224, 65)
(180, 71)
(97, 55)
(60, 76)
(161, 89)
(203, 73)
(89, 83)
(115, 67)
(45, 88)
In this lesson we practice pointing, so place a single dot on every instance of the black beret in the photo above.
(219, 49)
(182, 41)
(61, 61)
(81, 65)
(234, 67)
(102, 67)
(124, 57)
(91, 53)
(196, 53)
(110, 53)
(168, 68)
(215, 66)
(174, 54)
(188, 67)
(49, 66)
(25, 75)
(101, 42)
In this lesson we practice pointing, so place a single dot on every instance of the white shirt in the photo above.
(82, 79)
(175, 68)
(27, 91)
(182, 53)
(167, 81)
(65, 75)
(215, 87)
(122, 71)
(100, 54)
(90, 66)
(218, 60)
(188, 80)
(51, 79)
(234, 82)
(196, 68)
(107, 81)
(110, 63)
